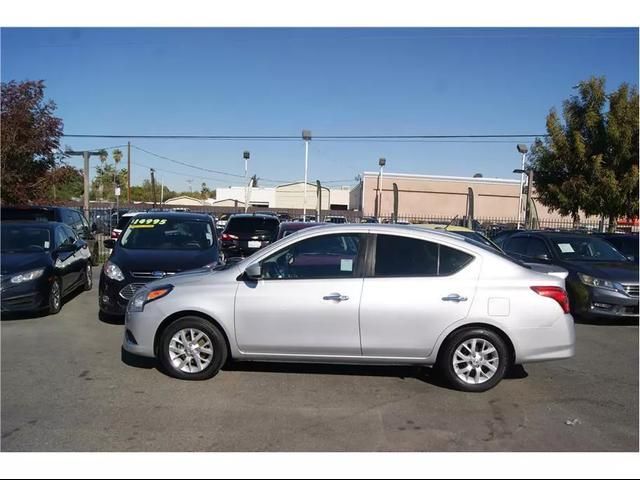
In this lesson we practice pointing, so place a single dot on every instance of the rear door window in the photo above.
(405, 257)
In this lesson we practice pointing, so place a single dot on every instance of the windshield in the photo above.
(586, 248)
(21, 239)
(167, 234)
(123, 221)
(253, 225)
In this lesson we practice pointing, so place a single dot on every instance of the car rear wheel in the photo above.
(55, 297)
(474, 360)
(192, 349)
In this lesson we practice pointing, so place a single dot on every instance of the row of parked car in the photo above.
(266, 289)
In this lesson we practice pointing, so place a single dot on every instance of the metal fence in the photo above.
(105, 218)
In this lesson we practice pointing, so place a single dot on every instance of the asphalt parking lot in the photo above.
(66, 387)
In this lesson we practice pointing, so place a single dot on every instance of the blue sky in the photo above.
(269, 81)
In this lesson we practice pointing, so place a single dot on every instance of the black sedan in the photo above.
(601, 283)
(625, 243)
(41, 263)
(152, 246)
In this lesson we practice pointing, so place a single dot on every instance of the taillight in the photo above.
(227, 236)
(114, 234)
(557, 293)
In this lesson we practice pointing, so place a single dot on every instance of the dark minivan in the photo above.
(247, 233)
(69, 216)
(155, 245)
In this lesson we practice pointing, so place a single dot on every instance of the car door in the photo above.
(414, 290)
(306, 302)
(64, 259)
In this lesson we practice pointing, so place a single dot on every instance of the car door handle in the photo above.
(336, 297)
(454, 297)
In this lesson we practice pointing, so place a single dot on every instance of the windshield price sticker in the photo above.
(147, 222)
(566, 248)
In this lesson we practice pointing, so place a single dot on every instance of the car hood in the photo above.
(162, 260)
(22, 262)
(623, 272)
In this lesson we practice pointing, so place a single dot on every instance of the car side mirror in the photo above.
(543, 256)
(631, 258)
(67, 248)
(109, 243)
(253, 272)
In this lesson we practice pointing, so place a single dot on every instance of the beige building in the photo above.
(183, 200)
(441, 196)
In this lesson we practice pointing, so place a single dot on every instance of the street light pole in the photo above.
(523, 150)
(381, 162)
(246, 154)
(306, 136)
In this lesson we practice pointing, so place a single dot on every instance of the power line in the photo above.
(316, 137)
(188, 164)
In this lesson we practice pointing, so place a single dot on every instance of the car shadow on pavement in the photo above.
(423, 374)
(137, 361)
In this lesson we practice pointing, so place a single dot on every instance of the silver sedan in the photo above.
(359, 294)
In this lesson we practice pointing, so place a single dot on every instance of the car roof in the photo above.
(438, 226)
(31, 223)
(178, 215)
(299, 225)
(253, 215)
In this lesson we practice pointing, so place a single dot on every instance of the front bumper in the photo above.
(113, 296)
(140, 330)
(600, 303)
(27, 297)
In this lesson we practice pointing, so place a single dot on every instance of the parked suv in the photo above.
(69, 216)
(601, 283)
(248, 233)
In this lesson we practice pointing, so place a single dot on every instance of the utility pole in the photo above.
(528, 214)
(129, 172)
(381, 162)
(85, 155)
(523, 149)
(153, 186)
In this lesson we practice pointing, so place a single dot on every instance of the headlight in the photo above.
(144, 296)
(27, 276)
(112, 271)
(597, 282)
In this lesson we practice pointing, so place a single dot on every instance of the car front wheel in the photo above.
(192, 348)
(474, 360)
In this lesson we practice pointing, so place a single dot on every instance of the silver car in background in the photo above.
(358, 294)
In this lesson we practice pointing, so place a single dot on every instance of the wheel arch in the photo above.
(187, 313)
(488, 326)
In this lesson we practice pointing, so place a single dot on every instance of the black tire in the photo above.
(88, 277)
(448, 350)
(217, 360)
(55, 297)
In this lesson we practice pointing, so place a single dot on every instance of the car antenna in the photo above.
(450, 222)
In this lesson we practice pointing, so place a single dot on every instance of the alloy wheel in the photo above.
(475, 361)
(190, 350)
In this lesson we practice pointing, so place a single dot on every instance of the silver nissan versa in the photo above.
(359, 294)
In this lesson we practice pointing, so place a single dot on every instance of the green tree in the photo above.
(588, 162)
(30, 136)
(105, 180)
(144, 192)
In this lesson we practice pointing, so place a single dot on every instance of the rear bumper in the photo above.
(555, 342)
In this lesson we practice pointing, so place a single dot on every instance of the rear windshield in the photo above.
(167, 234)
(253, 225)
(28, 214)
